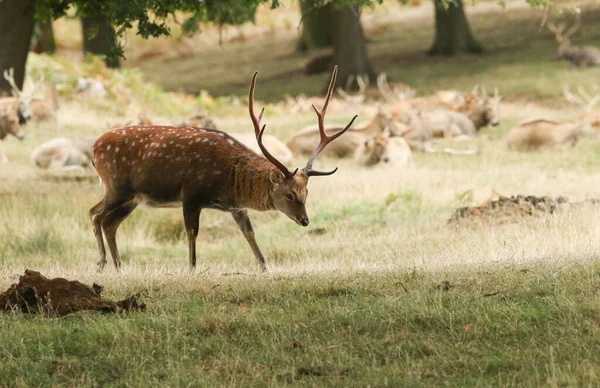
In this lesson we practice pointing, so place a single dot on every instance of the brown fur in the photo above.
(305, 140)
(383, 150)
(273, 144)
(542, 134)
(197, 169)
(9, 123)
(167, 166)
(64, 154)
(44, 109)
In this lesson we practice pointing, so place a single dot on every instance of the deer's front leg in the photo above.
(243, 221)
(191, 217)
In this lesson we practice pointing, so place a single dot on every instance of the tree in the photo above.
(16, 28)
(17, 20)
(316, 26)
(349, 46)
(452, 32)
(99, 39)
(341, 22)
(43, 37)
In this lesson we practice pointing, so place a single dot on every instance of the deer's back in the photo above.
(542, 134)
(162, 165)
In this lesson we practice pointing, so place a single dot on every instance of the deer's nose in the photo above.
(304, 222)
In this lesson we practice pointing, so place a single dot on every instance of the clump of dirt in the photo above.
(36, 294)
(505, 208)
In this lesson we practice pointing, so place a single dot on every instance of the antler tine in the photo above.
(259, 132)
(363, 84)
(574, 28)
(484, 93)
(572, 97)
(586, 97)
(271, 158)
(384, 88)
(9, 76)
(37, 84)
(588, 100)
(343, 93)
(308, 171)
(497, 96)
(255, 121)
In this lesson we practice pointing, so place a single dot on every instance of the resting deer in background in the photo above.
(589, 120)
(579, 56)
(307, 138)
(14, 111)
(198, 169)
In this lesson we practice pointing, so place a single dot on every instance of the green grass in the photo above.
(518, 58)
(527, 325)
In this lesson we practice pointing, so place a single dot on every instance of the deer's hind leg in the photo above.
(243, 221)
(97, 217)
(111, 223)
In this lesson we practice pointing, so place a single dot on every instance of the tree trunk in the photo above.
(316, 26)
(16, 28)
(452, 32)
(349, 47)
(99, 39)
(45, 37)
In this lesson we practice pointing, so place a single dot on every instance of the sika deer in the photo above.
(198, 169)
(578, 56)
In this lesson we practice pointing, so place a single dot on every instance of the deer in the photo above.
(442, 99)
(199, 169)
(542, 134)
(64, 154)
(304, 141)
(383, 150)
(14, 112)
(44, 109)
(578, 56)
(589, 120)
(397, 92)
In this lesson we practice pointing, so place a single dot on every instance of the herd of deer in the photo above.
(196, 166)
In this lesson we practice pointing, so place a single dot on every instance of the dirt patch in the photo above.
(500, 208)
(36, 294)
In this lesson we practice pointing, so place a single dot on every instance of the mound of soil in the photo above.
(514, 206)
(36, 293)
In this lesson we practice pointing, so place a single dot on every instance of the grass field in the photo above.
(378, 291)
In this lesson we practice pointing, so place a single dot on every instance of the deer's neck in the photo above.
(476, 116)
(252, 185)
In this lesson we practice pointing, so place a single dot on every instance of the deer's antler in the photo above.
(308, 170)
(258, 131)
(360, 96)
(584, 99)
(9, 76)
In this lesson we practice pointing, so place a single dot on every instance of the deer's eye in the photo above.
(289, 197)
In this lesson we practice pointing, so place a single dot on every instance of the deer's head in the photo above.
(289, 189)
(563, 38)
(24, 99)
(486, 113)
(373, 150)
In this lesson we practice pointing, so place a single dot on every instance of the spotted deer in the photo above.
(198, 169)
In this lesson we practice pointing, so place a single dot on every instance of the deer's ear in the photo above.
(276, 176)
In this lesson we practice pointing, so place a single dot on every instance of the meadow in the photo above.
(379, 290)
